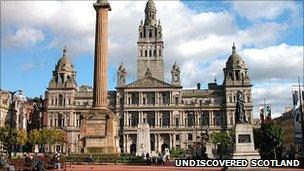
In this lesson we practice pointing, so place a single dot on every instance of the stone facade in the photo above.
(4, 106)
(20, 116)
(287, 123)
(176, 116)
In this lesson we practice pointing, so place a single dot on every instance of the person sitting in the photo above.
(167, 158)
(27, 160)
(90, 159)
(161, 158)
(37, 164)
(148, 159)
(3, 162)
(57, 161)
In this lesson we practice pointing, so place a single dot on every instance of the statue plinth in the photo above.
(101, 126)
(244, 143)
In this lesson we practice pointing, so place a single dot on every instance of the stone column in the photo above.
(211, 118)
(171, 119)
(100, 89)
(127, 149)
(156, 98)
(173, 140)
(158, 143)
(156, 119)
(140, 100)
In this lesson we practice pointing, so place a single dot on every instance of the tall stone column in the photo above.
(100, 91)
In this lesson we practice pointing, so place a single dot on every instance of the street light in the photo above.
(12, 112)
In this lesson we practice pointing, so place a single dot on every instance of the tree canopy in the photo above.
(268, 138)
(223, 138)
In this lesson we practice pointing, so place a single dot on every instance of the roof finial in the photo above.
(233, 48)
(215, 79)
(65, 51)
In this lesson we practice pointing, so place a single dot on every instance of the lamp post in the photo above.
(41, 111)
(12, 112)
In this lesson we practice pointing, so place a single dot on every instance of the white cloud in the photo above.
(24, 37)
(282, 62)
(277, 94)
(269, 10)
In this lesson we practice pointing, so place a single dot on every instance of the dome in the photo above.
(64, 63)
(235, 60)
(150, 5)
(21, 97)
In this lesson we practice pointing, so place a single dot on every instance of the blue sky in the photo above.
(198, 35)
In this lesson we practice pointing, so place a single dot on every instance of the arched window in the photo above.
(237, 74)
(60, 119)
(231, 76)
(146, 53)
(60, 100)
(62, 78)
(150, 33)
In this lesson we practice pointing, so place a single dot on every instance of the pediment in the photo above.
(148, 82)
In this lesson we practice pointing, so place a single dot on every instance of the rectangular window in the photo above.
(135, 119)
(191, 119)
(189, 137)
(176, 122)
(177, 137)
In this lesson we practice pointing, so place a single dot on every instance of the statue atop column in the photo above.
(240, 116)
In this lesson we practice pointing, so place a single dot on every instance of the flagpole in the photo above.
(301, 114)
(264, 111)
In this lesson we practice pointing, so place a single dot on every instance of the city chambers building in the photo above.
(176, 116)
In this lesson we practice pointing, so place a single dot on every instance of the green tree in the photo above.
(177, 152)
(60, 136)
(222, 139)
(21, 138)
(6, 138)
(267, 139)
(34, 137)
